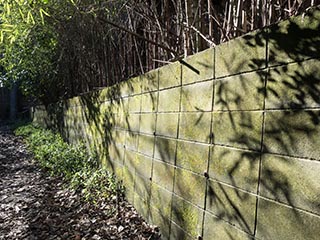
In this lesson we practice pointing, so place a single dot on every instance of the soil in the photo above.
(34, 205)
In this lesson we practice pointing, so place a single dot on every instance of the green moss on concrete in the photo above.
(187, 217)
(190, 186)
(238, 129)
(134, 104)
(294, 133)
(150, 81)
(120, 120)
(142, 188)
(117, 169)
(132, 141)
(197, 97)
(303, 32)
(161, 200)
(177, 232)
(116, 152)
(277, 221)
(128, 181)
(148, 123)
(116, 136)
(292, 181)
(192, 156)
(240, 92)
(142, 206)
(149, 102)
(169, 100)
(133, 122)
(294, 86)
(198, 67)
(235, 167)
(146, 145)
(141, 164)
(161, 220)
(167, 124)
(170, 75)
(232, 205)
(239, 55)
(163, 174)
(129, 87)
(165, 149)
(216, 228)
(195, 126)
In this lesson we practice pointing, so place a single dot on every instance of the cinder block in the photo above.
(294, 133)
(165, 149)
(130, 159)
(235, 167)
(198, 67)
(247, 53)
(134, 104)
(116, 152)
(169, 100)
(128, 182)
(150, 81)
(294, 86)
(149, 102)
(190, 186)
(142, 188)
(161, 200)
(197, 97)
(142, 206)
(192, 156)
(303, 32)
(277, 221)
(195, 126)
(133, 122)
(216, 228)
(121, 120)
(232, 205)
(129, 87)
(159, 219)
(167, 124)
(238, 129)
(177, 232)
(117, 169)
(163, 174)
(141, 164)
(187, 217)
(120, 105)
(240, 92)
(146, 145)
(116, 136)
(148, 123)
(170, 75)
(132, 141)
(292, 181)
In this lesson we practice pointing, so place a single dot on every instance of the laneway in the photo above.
(34, 205)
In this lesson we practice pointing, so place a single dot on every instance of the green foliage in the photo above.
(28, 47)
(74, 163)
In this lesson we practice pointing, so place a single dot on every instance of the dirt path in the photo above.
(34, 205)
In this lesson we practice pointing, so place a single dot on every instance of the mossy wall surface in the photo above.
(225, 145)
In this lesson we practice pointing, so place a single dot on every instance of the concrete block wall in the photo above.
(223, 145)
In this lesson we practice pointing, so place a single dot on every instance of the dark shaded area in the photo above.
(35, 205)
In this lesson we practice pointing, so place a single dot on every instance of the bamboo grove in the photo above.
(56, 49)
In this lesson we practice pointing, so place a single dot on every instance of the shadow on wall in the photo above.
(213, 158)
(280, 143)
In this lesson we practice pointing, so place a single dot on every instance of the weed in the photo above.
(73, 162)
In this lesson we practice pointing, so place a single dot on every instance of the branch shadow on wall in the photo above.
(285, 88)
